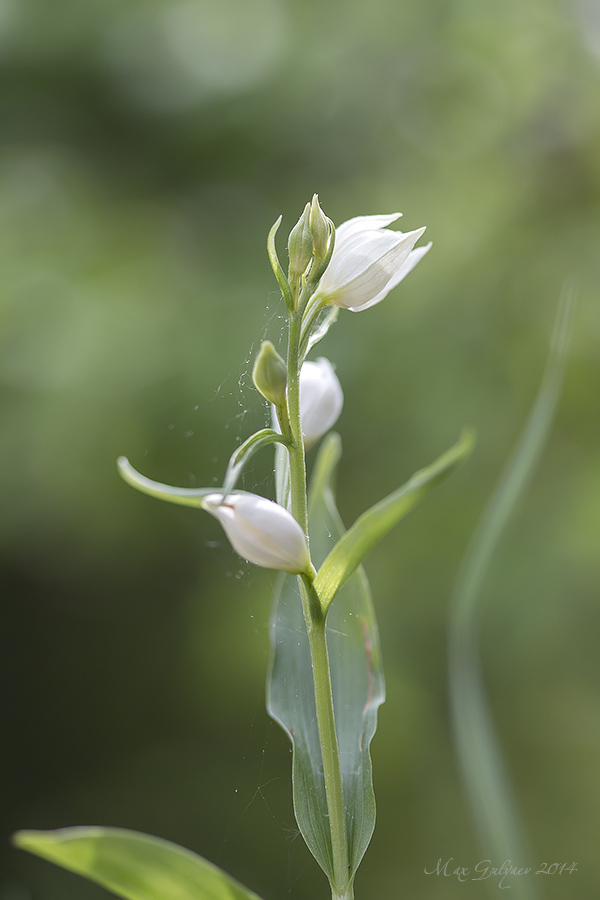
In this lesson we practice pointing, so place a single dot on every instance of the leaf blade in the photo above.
(357, 684)
(276, 266)
(484, 773)
(182, 496)
(134, 866)
(243, 454)
(376, 522)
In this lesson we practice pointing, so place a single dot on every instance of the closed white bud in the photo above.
(368, 261)
(261, 531)
(321, 399)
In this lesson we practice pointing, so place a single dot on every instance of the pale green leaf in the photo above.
(133, 866)
(183, 496)
(480, 758)
(357, 682)
(377, 521)
(276, 266)
(244, 453)
(194, 496)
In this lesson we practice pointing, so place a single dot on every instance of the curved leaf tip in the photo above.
(183, 496)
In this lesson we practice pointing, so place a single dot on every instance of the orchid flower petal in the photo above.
(321, 399)
(261, 531)
(368, 261)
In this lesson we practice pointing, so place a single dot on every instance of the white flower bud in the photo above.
(321, 399)
(368, 261)
(261, 531)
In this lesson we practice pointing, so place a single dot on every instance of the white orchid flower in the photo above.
(321, 399)
(261, 531)
(368, 260)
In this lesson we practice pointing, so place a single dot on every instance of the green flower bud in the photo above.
(320, 228)
(270, 374)
(300, 244)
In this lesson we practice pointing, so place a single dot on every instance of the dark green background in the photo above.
(145, 150)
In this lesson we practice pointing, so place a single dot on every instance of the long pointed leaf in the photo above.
(357, 683)
(276, 266)
(477, 747)
(134, 866)
(375, 523)
(183, 496)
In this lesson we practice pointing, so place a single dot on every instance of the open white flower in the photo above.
(261, 531)
(321, 399)
(368, 260)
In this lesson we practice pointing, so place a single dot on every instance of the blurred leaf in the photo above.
(357, 684)
(480, 758)
(132, 865)
(375, 523)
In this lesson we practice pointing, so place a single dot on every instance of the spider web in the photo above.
(259, 795)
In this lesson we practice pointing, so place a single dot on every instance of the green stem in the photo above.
(341, 885)
(297, 460)
(313, 311)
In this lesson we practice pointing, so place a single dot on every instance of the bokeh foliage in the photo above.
(145, 150)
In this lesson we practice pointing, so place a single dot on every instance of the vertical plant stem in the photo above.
(315, 624)
(331, 759)
(297, 460)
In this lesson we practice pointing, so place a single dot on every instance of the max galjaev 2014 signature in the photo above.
(484, 870)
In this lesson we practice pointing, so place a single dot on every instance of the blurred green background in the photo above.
(145, 150)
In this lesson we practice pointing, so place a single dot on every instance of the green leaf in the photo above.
(357, 682)
(132, 865)
(183, 496)
(194, 496)
(483, 770)
(244, 453)
(276, 266)
(376, 522)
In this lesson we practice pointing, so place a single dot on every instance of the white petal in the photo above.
(373, 283)
(321, 399)
(411, 261)
(364, 223)
(261, 531)
(355, 256)
(368, 261)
